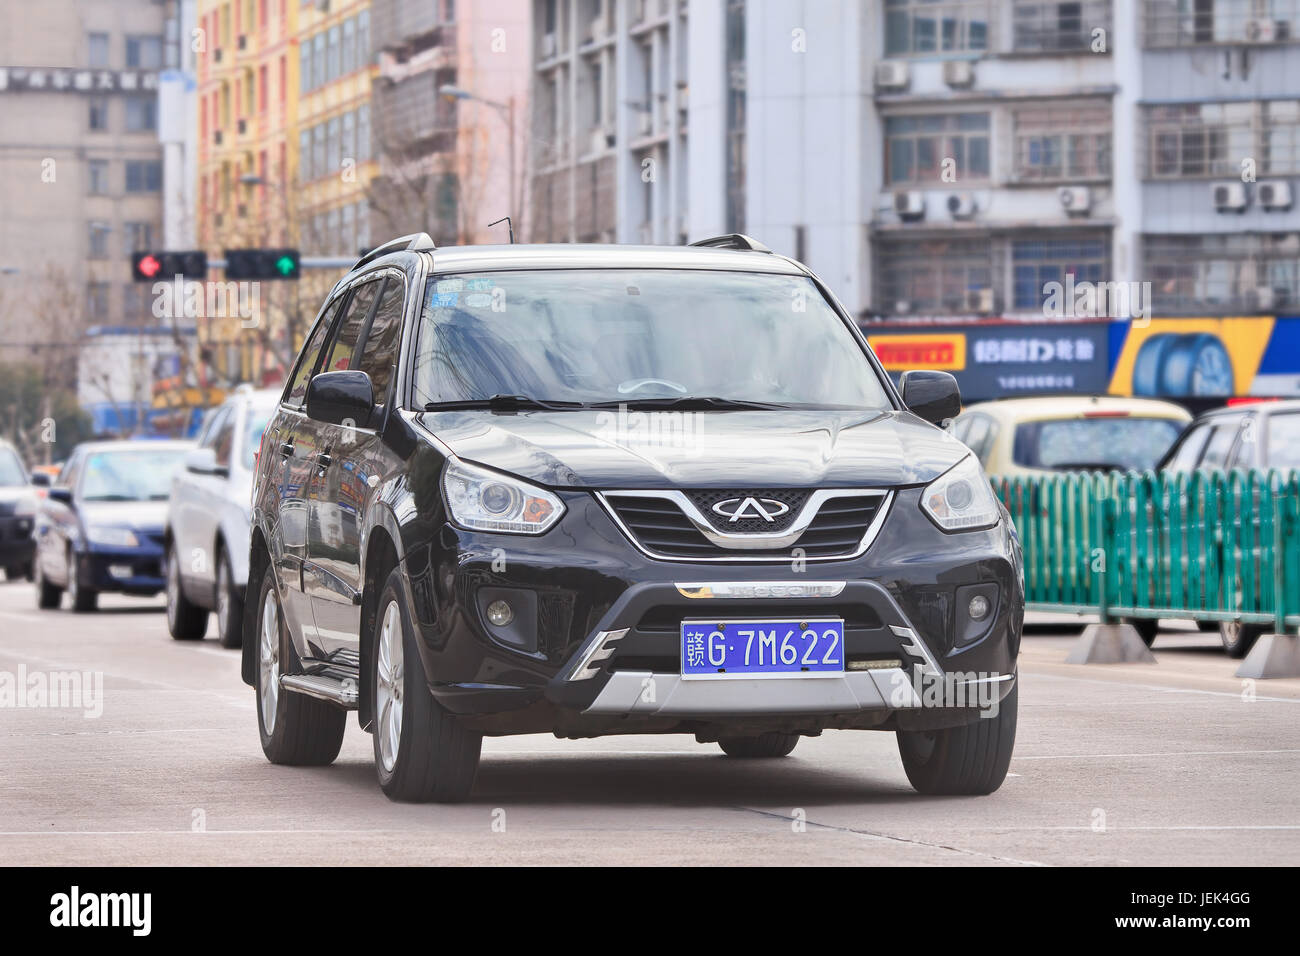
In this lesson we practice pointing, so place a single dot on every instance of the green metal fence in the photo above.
(1205, 546)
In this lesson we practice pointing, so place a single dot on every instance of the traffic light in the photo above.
(165, 266)
(262, 264)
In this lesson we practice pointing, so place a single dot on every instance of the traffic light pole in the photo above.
(306, 262)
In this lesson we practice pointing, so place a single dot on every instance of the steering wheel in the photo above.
(636, 384)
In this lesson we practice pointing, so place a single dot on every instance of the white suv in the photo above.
(208, 520)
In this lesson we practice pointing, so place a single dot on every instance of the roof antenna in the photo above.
(509, 225)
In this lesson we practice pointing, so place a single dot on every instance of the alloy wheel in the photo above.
(388, 690)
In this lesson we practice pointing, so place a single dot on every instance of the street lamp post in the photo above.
(506, 111)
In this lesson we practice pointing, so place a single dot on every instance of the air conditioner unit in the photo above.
(892, 76)
(1229, 196)
(548, 45)
(1261, 31)
(979, 300)
(1264, 299)
(909, 205)
(1075, 200)
(1274, 194)
(959, 74)
(961, 205)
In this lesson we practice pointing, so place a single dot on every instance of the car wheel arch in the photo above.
(381, 556)
(259, 556)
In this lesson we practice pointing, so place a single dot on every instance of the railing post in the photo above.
(1282, 516)
(1105, 528)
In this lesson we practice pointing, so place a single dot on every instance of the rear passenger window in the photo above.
(345, 342)
(296, 396)
(379, 354)
(1189, 452)
(1220, 443)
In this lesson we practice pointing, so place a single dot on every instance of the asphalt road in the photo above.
(1163, 764)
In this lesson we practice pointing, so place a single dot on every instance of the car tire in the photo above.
(422, 752)
(84, 600)
(230, 605)
(1239, 638)
(296, 730)
(968, 760)
(761, 746)
(186, 621)
(48, 596)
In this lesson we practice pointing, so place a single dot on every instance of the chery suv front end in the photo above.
(591, 490)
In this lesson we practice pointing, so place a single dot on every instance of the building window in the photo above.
(139, 235)
(1223, 274)
(1036, 262)
(97, 50)
(924, 26)
(332, 69)
(917, 146)
(1057, 26)
(318, 161)
(98, 120)
(305, 171)
(363, 38)
(144, 52)
(97, 299)
(97, 240)
(348, 230)
(933, 276)
(349, 142)
(141, 114)
(349, 45)
(97, 177)
(1208, 22)
(1064, 141)
(1211, 139)
(304, 68)
(332, 237)
(143, 176)
(363, 131)
(318, 61)
(332, 145)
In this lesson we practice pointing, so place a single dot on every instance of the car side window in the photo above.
(210, 430)
(1189, 450)
(223, 438)
(379, 352)
(1247, 449)
(344, 341)
(70, 473)
(1219, 445)
(296, 395)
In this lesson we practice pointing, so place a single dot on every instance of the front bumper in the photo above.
(606, 648)
(16, 542)
(128, 570)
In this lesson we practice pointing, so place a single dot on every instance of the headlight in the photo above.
(26, 507)
(961, 499)
(112, 537)
(482, 500)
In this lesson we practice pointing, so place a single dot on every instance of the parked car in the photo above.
(208, 520)
(18, 500)
(101, 526)
(1251, 435)
(1036, 436)
(590, 490)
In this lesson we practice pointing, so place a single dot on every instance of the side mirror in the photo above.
(40, 479)
(60, 493)
(341, 398)
(933, 396)
(203, 461)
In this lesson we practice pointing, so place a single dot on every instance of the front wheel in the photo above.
(422, 752)
(1239, 638)
(230, 605)
(760, 746)
(83, 598)
(968, 760)
(48, 595)
(295, 729)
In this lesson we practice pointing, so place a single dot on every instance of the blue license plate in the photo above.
(789, 647)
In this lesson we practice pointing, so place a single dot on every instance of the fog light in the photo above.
(500, 613)
(978, 607)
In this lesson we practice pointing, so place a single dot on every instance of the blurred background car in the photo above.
(17, 514)
(101, 526)
(208, 519)
(1035, 436)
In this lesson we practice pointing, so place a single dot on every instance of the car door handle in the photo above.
(323, 461)
(286, 448)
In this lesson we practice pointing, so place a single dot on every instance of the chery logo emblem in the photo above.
(734, 509)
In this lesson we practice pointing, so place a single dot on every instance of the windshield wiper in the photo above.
(689, 402)
(502, 403)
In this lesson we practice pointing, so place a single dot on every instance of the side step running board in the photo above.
(324, 688)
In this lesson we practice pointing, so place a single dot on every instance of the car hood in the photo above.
(9, 494)
(137, 515)
(772, 449)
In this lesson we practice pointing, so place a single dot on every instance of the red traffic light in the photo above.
(148, 266)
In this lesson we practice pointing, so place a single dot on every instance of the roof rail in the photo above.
(415, 242)
(734, 240)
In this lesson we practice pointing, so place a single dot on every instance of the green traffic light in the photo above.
(285, 265)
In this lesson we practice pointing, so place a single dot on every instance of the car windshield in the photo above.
(1101, 442)
(1284, 441)
(257, 419)
(11, 469)
(142, 474)
(615, 336)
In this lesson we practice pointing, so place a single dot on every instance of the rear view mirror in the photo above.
(61, 494)
(933, 396)
(40, 479)
(341, 398)
(203, 461)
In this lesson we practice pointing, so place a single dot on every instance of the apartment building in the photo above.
(609, 135)
(451, 118)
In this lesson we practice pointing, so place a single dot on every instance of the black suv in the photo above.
(596, 490)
